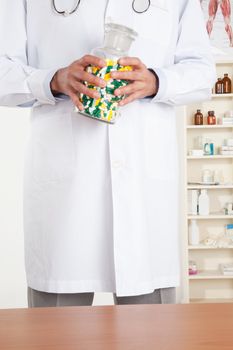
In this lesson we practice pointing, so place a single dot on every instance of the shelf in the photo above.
(209, 187)
(210, 126)
(220, 60)
(210, 285)
(210, 217)
(222, 96)
(204, 247)
(211, 274)
(217, 156)
(211, 301)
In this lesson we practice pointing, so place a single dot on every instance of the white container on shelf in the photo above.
(194, 234)
(204, 203)
(192, 202)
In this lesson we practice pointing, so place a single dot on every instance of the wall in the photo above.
(13, 138)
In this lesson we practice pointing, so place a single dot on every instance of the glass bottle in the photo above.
(219, 86)
(226, 84)
(198, 118)
(211, 119)
(117, 42)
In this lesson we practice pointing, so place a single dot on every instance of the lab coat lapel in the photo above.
(120, 12)
(162, 4)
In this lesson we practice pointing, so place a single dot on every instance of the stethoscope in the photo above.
(136, 6)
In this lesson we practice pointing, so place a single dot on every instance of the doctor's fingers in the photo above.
(132, 61)
(134, 75)
(80, 88)
(130, 88)
(132, 97)
(90, 59)
(76, 100)
(89, 78)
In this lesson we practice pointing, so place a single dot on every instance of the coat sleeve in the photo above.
(191, 77)
(20, 84)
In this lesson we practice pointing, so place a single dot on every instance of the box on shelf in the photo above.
(226, 269)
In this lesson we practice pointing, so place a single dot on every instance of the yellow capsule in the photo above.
(94, 70)
(97, 102)
(107, 76)
(111, 62)
(103, 105)
(126, 68)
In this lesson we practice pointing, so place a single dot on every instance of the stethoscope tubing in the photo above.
(67, 13)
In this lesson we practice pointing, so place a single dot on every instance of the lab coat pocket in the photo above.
(161, 148)
(154, 24)
(53, 153)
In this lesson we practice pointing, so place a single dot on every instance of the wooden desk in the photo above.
(144, 327)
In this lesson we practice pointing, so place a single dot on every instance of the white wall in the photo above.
(13, 137)
(14, 132)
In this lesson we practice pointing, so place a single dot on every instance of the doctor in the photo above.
(97, 197)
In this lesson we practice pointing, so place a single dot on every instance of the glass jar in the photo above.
(211, 119)
(226, 84)
(198, 118)
(117, 42)
(219, 86)
(207, 176)
(192, 268)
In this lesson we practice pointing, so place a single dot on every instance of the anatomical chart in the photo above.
(219, 24)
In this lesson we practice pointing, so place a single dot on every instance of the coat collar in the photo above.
(121, 11)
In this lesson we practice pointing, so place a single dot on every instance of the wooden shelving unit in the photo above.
(209, 285)
(209, 274)
(217, 156)
(205, 247)
(209, 126)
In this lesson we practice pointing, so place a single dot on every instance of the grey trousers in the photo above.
(43, 299)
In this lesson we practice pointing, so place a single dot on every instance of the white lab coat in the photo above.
(101, 201)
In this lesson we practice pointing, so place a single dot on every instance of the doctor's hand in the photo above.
(69, 80)
(142, 84)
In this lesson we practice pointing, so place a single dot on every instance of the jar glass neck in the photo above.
(118, 39)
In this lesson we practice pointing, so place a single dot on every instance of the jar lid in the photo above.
(121, 29)
(119, 37)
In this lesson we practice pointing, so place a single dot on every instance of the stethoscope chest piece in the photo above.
(141, 6)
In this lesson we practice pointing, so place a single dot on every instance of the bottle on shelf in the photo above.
(194, 234)
(192, 202)
(219, 86)
(208, 147)
(203, 203)
(211, 119)
(226, 84)
(198, 118)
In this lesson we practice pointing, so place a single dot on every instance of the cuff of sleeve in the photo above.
(159, 97)
(39, 85)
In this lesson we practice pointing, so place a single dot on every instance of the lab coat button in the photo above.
(116, 164)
